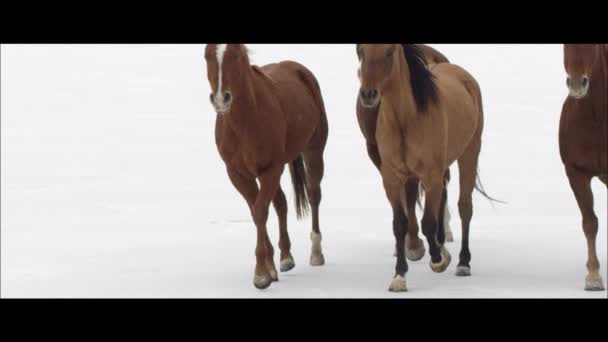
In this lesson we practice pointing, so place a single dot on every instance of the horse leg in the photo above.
(280, 206)
(581, 186)
(313, 162)
(248, 188)
(432, 228)
(393, 187)
(467, 167)
(449, 236)
(265, 270)
(414, 249)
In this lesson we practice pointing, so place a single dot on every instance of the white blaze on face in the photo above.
(219, 53)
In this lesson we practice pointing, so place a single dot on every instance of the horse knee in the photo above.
(260, 215)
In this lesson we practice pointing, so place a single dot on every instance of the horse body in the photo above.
(266, 117)
(583, 137)
(426, 120)
(367, 118)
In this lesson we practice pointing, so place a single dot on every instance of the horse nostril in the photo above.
(211, 98)
(227, 97)
(374, 93)
(585, 81)
(568, 81)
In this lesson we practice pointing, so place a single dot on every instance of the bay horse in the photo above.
(367, 118)
(583, 137)
(427, 119)
(267, 117)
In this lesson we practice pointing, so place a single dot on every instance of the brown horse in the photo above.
(367, 118)
(583, 137)
(267, 117)
(427, 119)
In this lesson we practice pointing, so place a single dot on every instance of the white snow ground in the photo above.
(111, 185)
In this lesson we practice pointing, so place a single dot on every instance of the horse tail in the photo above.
(478, 185)
(298, 179)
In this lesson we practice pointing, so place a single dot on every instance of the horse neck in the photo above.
(400, 95)
(598, 87)
(244, 105)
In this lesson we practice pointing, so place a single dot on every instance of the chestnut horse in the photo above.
(367, 118)
(267, 117)
(583, 137)
(427, 119)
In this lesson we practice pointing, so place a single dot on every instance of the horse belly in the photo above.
(302, 115)
(462, 115)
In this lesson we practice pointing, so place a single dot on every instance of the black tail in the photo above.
(482, 191)
(298, 179)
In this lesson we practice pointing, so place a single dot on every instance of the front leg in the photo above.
(265, 271)
(581, 186)
(393, 187)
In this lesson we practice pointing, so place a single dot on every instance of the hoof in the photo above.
(441, 266)
(449, 237)
(415, 254)
(398, 284)
(287, 264)
(262, 282)
(594, 284)
(463, 271)
(274, 275)
(317, 260)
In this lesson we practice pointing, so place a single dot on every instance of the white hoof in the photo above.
(398, 284)
(317, 260)
(446, 258)
(463, 271)
(274, 275)
(287, 264)
(262, 281)
(594, 283)
(316, 256)
(415, 254)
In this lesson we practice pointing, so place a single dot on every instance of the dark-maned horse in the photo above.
(427, 119)
(267, 117)
(367, 118)
(583, 137)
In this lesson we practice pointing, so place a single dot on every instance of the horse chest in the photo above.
(583, 142)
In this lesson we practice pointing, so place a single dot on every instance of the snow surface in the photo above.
(112, 185)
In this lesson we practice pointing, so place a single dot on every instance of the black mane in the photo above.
(422, 80)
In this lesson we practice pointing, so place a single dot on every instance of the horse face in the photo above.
(377, 61)
(578, 61)
(223, 69)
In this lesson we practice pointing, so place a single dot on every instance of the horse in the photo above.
(427, 119)
(367, 118)
(583, 137)
(267, 117)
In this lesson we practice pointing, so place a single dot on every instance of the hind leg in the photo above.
(280, 206)
(313, 161)
(449, 236)
(581, 186)
(414, 247)
(467, 167)
(432, 227)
